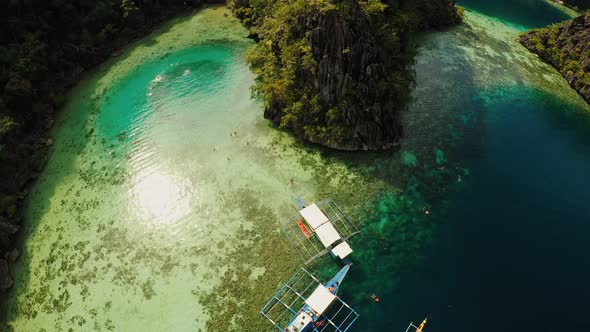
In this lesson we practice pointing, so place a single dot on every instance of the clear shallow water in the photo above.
(150, 215)
(525, 13)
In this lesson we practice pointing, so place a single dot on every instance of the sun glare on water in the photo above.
(160, 198)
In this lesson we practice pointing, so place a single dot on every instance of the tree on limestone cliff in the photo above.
(338, 72)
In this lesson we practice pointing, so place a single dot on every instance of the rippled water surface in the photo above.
(159, 206)
(523, 13)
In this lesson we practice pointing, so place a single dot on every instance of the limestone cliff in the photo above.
(566, 47)
(338, 73)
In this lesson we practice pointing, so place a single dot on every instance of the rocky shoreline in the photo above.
(25, 142)
(566, 46)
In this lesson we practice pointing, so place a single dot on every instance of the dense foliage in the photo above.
(330, 70)
(566, 46)
(44, 47)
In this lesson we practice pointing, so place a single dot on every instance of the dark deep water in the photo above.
(513, 251)
(514, 256)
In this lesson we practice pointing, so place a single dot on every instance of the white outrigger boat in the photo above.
(319, 228)
(304, 304)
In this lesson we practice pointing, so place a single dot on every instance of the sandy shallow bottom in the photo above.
(159, 206)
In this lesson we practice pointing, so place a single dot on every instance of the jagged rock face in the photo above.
(350, 66)
(567, 48)
(351, 96)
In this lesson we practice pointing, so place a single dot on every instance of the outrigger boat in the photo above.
(304, 304)
(319, 228)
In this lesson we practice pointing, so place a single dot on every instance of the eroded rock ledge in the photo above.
(337, 73)
(566, 47)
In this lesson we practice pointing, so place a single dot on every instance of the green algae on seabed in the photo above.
(158, 207)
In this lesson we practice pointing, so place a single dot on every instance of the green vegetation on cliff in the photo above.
(566, 46)
(338, 72)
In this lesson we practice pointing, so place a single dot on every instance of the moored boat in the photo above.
(318, 229)
(305, 304)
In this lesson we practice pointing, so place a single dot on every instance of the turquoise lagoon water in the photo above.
(524, 13)
(158, 209)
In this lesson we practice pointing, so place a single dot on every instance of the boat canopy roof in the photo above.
(327, 234)
(313, 216)
(316, 228)
(320, 299)
(342, 250)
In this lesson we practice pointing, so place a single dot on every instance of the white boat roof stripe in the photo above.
(342, 250)
(302, 320)
(313, 216)
(320, 299)
(327, 234)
